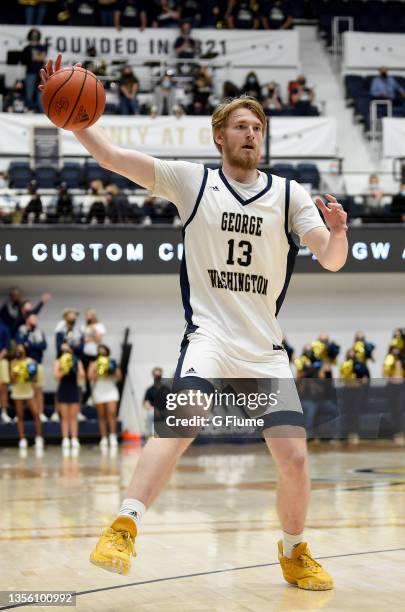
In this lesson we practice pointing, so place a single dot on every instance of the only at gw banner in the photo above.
(157, 250)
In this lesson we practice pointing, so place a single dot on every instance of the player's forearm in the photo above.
(97, 144)
(334, 254)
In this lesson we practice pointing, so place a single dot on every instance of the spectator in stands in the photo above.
(276, 14)
(69, 372)
(202, 88)
(398, 204)
(33, 58)
(300, 94)
(34, 11)
(32, 210)
(157, 210)
(385, 87)
(332, 180)
(394, 372)
(15, 310)
(104, 373)
(131, 14)
(106, 11)
(15, 101)
(185, 46)
(242, 14)
(64, 205)
(165, 93)
(166, 14)
(230, 90)
(81, 12)
(5, 345)
(212, 13)
(191, 11)
(95, 64)
(35, 344)
(23, 372)
(93, 205)
(251, 86)
(117, 210)
(93, 332)
(150, 399)
(272, 102)
(128, 91)
(374, 194)
(67, 332)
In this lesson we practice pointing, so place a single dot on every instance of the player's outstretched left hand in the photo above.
(333, 213)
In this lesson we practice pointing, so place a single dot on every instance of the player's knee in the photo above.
(293, 462)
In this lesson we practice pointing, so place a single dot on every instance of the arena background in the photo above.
(333, 125)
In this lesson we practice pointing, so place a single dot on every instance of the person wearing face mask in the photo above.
(15, 101)
(332, 181)
(69, 372)
(34, 341)
(385, 87)
(66, 331)
(93, 332)
(300, 94)
(374, 195)
(165, 94)
(15, 310)
(128, 90)
(23, 374)
(33, 58)
(104, 373)
(251, 86)
(150, 399)
(398, 205)
(93, 205)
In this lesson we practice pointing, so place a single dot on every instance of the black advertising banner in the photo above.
(55, 250)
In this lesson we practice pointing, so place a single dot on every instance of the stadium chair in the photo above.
(93, 172)
(355, 86)
(121, 181)
(47, 177)
(20, 174)
(308, 173)
(285, 170)
(110, 109)
(71, 174)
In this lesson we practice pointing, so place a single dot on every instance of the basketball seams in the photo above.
(95, 109)
(59, 88)
(77, 100)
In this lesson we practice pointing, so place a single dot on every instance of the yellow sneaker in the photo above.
(303, 570)
(116, 545)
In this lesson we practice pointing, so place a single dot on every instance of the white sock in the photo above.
(289, 541)
(133, 508)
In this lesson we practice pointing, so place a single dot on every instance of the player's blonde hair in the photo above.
(222, 112)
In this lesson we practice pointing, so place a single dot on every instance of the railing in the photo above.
(337, 46)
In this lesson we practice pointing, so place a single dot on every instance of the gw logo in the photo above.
(379, 250)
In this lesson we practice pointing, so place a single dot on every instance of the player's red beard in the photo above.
(247, 159)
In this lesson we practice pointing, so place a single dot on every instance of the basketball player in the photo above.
(239, 251)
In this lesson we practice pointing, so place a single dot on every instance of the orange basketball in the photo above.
(73, 98)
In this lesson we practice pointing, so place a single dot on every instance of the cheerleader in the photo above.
(104, 374)
(23, 374)
(69, 372)
(394, 372)
(354, 373)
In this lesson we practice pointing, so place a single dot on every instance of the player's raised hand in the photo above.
(333, 213)
(49, 69)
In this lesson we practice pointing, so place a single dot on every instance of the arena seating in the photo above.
(372, 16)
(357, 93)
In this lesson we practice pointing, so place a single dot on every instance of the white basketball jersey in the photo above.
(237, 263)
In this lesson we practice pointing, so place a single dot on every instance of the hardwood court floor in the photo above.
(209, 542)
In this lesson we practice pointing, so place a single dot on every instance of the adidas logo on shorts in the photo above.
(190, 371)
